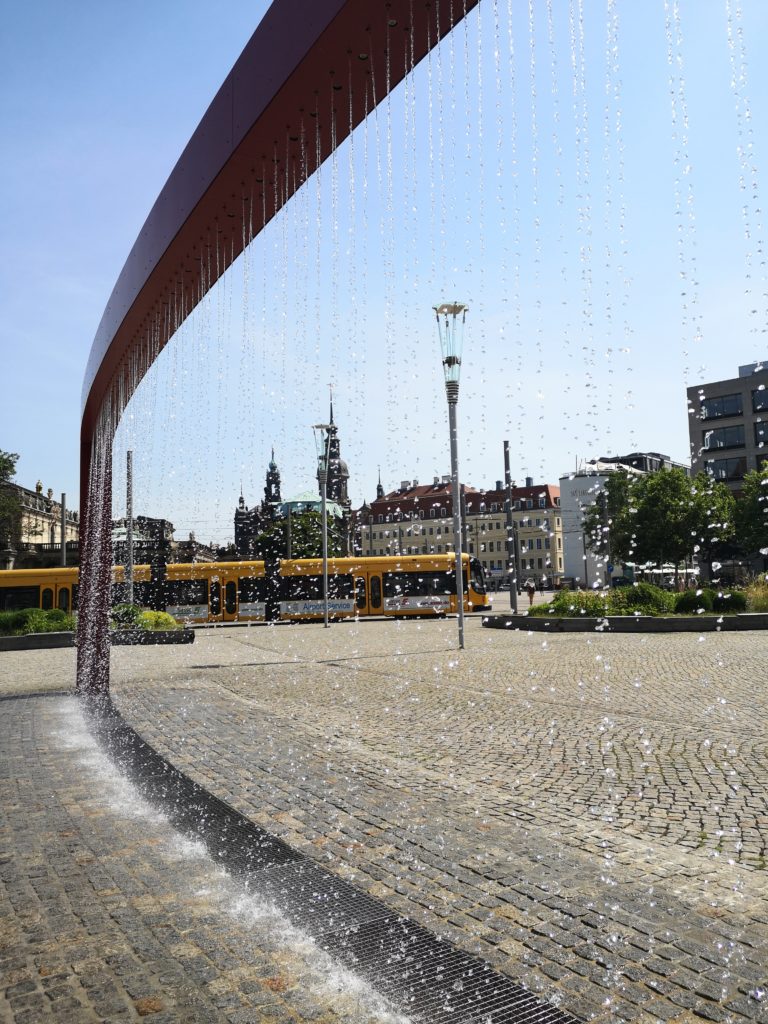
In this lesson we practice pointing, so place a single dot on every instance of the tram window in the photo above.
(398, 584)
(47, 600)
(64, 599)
(252, 589)
(360, 590)
(310, 588)
(184, 591)
(477, 576)
(142, 594)
(230, 597)
(375, 592)
(12, 599)
(215, 598)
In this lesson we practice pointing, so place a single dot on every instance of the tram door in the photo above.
(214, 600)
(374, 594)
(361, 595)
(229, 593)
(222, 600)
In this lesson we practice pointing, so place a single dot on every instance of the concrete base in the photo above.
(629, 623)
(36, 641)
(124, 637)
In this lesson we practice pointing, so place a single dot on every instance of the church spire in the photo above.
(379, 488)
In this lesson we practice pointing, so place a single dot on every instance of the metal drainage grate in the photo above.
(425, 976)
(320, 902)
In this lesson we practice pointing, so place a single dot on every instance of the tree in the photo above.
(678, 517)
(752, 513)
(10, 508)
(608, 523)
(306, 537)
(714, 529)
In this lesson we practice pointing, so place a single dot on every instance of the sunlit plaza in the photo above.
(585, 812)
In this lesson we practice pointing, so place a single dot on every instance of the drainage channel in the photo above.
(428, 978)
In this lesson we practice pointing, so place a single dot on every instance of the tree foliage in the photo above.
(714, 529)
(752, 513)
(666, 517)
(608, 522)
(306, 537)
(10, 509)
(660, 518)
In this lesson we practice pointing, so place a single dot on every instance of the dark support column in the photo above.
(272, 579)
(95, 572)
(158, 565)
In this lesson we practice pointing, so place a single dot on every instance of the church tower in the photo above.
(272, 488)
(338, 473)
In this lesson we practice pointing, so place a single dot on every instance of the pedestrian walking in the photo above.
(530, 589)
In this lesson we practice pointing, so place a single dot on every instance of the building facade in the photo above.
(39, 544)
(728, 425)
(418, 519)
(578, 492)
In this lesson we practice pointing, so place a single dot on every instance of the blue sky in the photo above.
(583, 194)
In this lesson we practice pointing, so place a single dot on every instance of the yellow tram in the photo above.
(411, 585)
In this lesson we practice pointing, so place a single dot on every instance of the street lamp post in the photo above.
(451, 317)
(513, 572)
(322, 476)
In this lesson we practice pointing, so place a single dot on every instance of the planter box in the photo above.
(629, 623)
(37, 641)
(140, 637)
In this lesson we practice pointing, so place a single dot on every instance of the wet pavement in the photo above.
(585, 812)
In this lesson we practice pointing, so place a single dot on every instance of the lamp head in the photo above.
(450, 327)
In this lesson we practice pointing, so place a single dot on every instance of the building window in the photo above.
(760, 399)
(723, 405)
(494, 506)
(726, 469)
(542, 502)
(761, 433)
(529, 503)
(432, 514)
(724, 437)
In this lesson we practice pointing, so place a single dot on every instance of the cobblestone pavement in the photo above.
(106, 914)
(587, 812)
